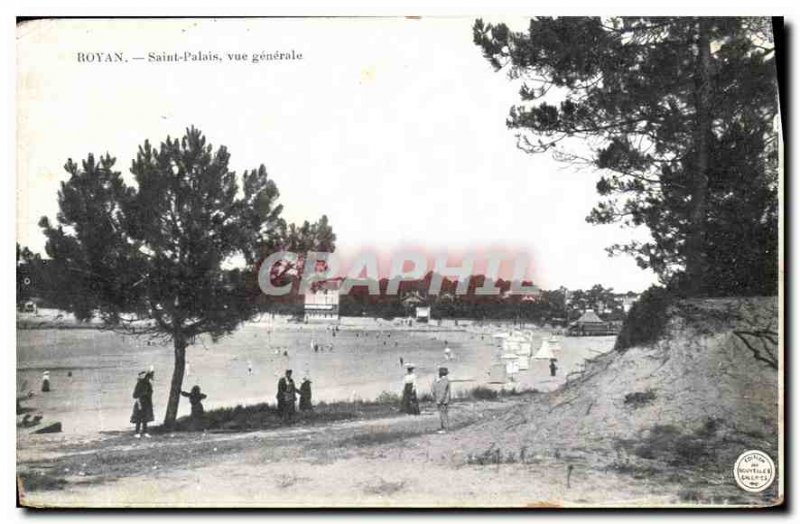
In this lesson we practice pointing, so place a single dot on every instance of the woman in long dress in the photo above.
(305, 395)
(410, 403)
(143, 403)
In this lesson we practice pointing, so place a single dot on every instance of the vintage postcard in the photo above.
(409, 262)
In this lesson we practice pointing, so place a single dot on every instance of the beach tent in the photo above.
(511, 361)
(500, 338)
(497, 373)
(525, 349)
(545, 350)
(517, 336)
(512, 366)
(510, 346)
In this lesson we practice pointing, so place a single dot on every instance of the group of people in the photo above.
(440, 390)
(143, 404)
(143, 401)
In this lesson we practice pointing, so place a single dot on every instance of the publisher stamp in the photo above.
(754, 471)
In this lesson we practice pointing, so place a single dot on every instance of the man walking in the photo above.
(441, 395)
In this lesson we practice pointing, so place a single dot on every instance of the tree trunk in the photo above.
(695, 248)
(177, 381)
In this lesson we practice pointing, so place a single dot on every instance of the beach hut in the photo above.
(497, 373)
(589, 324)
(525, 349)
(322, 303)
(545, 350)
(511, 361)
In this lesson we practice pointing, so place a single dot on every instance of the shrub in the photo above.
(387, 397)
(639, 399)
(647, 319)
(483, 393)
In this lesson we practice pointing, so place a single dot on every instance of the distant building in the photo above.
(322, 303)
(589, 324)
(423, 313)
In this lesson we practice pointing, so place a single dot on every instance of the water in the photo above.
(244, 368)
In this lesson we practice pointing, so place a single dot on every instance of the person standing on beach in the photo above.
(143, 403)
(305, 395)
(441, 395)
(410, 403)
(46, 382)
(287, 394)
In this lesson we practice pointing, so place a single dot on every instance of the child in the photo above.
(196, 400)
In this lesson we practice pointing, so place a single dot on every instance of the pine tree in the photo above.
(680, 114)
(165, 249)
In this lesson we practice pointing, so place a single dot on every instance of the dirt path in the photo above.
(396, 461)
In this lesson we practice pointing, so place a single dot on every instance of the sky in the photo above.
(394, 128)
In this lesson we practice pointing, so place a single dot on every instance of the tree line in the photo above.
(35, 279)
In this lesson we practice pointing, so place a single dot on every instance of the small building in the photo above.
(589, 324)
(423, 313)
(322, 303)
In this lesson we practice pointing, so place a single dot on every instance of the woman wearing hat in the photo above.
(46, 382)
(305, 394)
(410, 404)
(143, 403)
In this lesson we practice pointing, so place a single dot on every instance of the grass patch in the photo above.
(640, 399)
(708, 447)
(637, 471)
(495, 456)
(266, 416)
(670, 445)
(40, 481)
(483, 393)
(377, 438)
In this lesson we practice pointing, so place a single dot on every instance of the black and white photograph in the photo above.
(490, 261)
